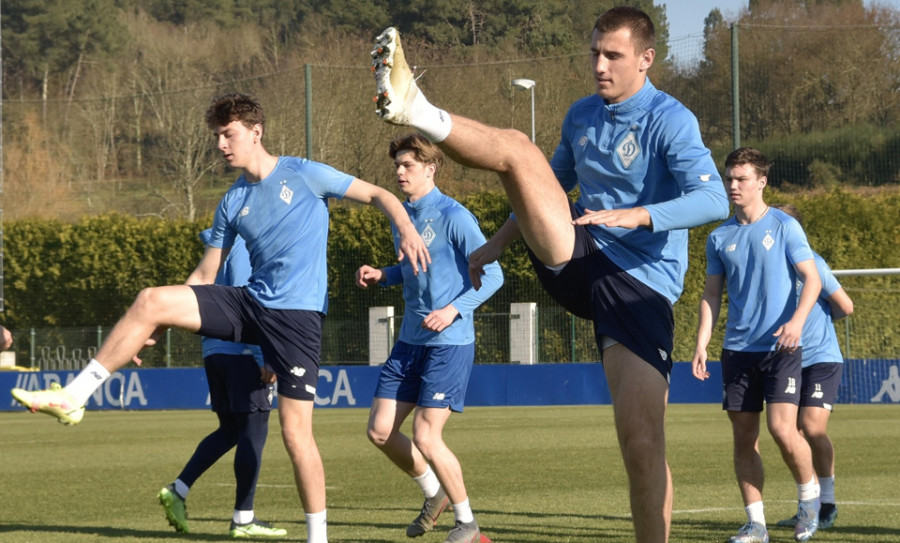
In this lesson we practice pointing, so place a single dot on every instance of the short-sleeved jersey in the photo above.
(645, 151)
(451, 234)
(820, 343)
(235, 272)
(284, 220)
(758, 262)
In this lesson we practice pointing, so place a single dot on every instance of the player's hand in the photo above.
(267, 376)
(413, 247)
(634, 217)
(439, 319)
(367, 275)
(480, 258)
(6, 338)
(788, 335)
(150, 342)
(698, 365)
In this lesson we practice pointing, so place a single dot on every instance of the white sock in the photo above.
(826, 489)
(87, 381)
(463, 511)
(755, 513)
(808, 491)
(434, 123)
(317, 527)
(243, 517)
(428, 482)
(181, 489)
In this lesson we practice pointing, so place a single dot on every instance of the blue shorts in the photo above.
(290, 339)
(820, 385)
(592, 286)
(235, 384)
(427, 375)
(749, 378)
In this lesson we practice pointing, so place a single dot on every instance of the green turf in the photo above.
(535, 474)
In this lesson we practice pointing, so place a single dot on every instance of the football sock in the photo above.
(317, 527)
(242, 517)
(434, 123)
(181, 489)
(463, 511)
(808, 491)
(428, 482)
(87, 381)
(755, 513)
(826, 489)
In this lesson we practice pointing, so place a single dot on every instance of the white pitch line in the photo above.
(715, 509)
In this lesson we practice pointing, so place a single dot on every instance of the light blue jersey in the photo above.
(284, 219)
(451, 233)
(757, 261)
(820, 343)
(235, 272)
(645, 151)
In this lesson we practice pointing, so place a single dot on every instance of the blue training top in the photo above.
(284, 219)
(757, 261)
(820, 343)
(451, 233)
(234, 272)
(645, 151)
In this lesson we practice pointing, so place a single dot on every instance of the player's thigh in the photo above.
(814, 420)
(172, 305)
(639, 393)
(386, 415)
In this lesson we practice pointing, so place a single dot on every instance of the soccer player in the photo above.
(240, 392)
(758, 255)
(428, 368)
(619, 254)
(279, 205)
(823, 364)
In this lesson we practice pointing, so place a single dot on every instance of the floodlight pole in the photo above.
(527, 84)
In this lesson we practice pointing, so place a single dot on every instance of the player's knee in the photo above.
(377, 436)
(148, 304)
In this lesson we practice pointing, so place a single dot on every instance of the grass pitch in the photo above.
(534, 474)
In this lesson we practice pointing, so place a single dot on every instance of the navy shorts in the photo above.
(749, 378)
(290, 339)
(820, 385)
(235, 384)
(427, 375)
(592, 286)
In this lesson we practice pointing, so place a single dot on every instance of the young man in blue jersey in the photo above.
(428, 369)
(279, 205)
(823, 365)
(759, 254)
(618, 255)
(241, 390)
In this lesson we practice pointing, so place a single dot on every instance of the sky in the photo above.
(686, 19)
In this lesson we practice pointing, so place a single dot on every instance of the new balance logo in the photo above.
(818, 394)
(791, 387)
(438, 396)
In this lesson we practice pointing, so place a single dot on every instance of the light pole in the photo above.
(527, 84)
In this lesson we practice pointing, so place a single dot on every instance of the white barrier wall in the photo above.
(523, 345)
(381, 333)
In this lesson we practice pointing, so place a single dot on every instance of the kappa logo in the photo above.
(428, 235)
(791, 387)
(768, 241)
(298, 371)
(628, 150)
(245, 211)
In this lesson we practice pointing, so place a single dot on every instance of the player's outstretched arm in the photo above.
(491, 250)
(412, 246)
(841, 304)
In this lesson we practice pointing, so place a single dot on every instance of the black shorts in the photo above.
(749, 378)
(290, 339)
(592, 286)
(820, 385)
(235, 384)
